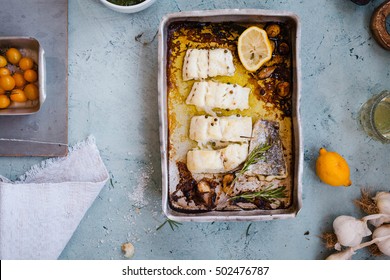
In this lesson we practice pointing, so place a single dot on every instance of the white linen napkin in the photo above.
(40, 212)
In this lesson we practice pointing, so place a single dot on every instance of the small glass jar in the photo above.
(374, 117)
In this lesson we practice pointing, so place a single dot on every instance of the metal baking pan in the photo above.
(174, 117)
(32, 48)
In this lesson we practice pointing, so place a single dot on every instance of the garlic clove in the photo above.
(350, 231)
(382, 200)
(383, 245)
(343, 255)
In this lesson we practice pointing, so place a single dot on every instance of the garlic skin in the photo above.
(128, 250)
(343, 255)
(349, 231)
(384, 245)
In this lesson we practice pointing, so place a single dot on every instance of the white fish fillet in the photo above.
(203, 63)
(205, 129)
(217, 161)
(207, 95)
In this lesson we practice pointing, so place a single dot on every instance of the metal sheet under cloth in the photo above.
(46, 132)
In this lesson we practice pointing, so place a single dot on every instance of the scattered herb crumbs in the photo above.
(247, 229)
(111, 182)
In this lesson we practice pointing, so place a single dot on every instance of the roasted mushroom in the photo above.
(227, 183)
(273, 45)
(283, 48)
(273, 30)
(203, 187)
(266, 72)
(283, 89)
(206, 192)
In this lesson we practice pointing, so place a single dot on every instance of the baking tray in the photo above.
(29, 47)
(169, 179)
(44, 133)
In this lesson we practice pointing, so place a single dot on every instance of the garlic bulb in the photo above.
(382, 200)
(383, 233)
(380, 237)
(343, 255)
(349, 231)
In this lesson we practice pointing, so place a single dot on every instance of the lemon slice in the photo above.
(254, 48)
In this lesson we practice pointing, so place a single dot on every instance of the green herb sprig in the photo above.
(173, 224)
(254, 156)
(267, 193)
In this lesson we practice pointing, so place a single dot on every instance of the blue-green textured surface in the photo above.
(113, 95)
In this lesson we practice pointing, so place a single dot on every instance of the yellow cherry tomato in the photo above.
(4, 101)
(7, 82)
(19, 80)
(26, 63)
(31, 91)
(2, 91)
(13, 55)
(3, 61)
(18, 95)
(30, 75)
(4, 71)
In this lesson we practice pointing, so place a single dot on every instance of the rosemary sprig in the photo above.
(254, 156)
(267, 193)
(173, 224)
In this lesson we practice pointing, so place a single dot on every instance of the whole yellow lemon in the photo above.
(333, 169)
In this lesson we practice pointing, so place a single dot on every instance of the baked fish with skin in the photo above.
(217, 161)
(207, 95)
(204, 129)
(203, 63)
(273, 164)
